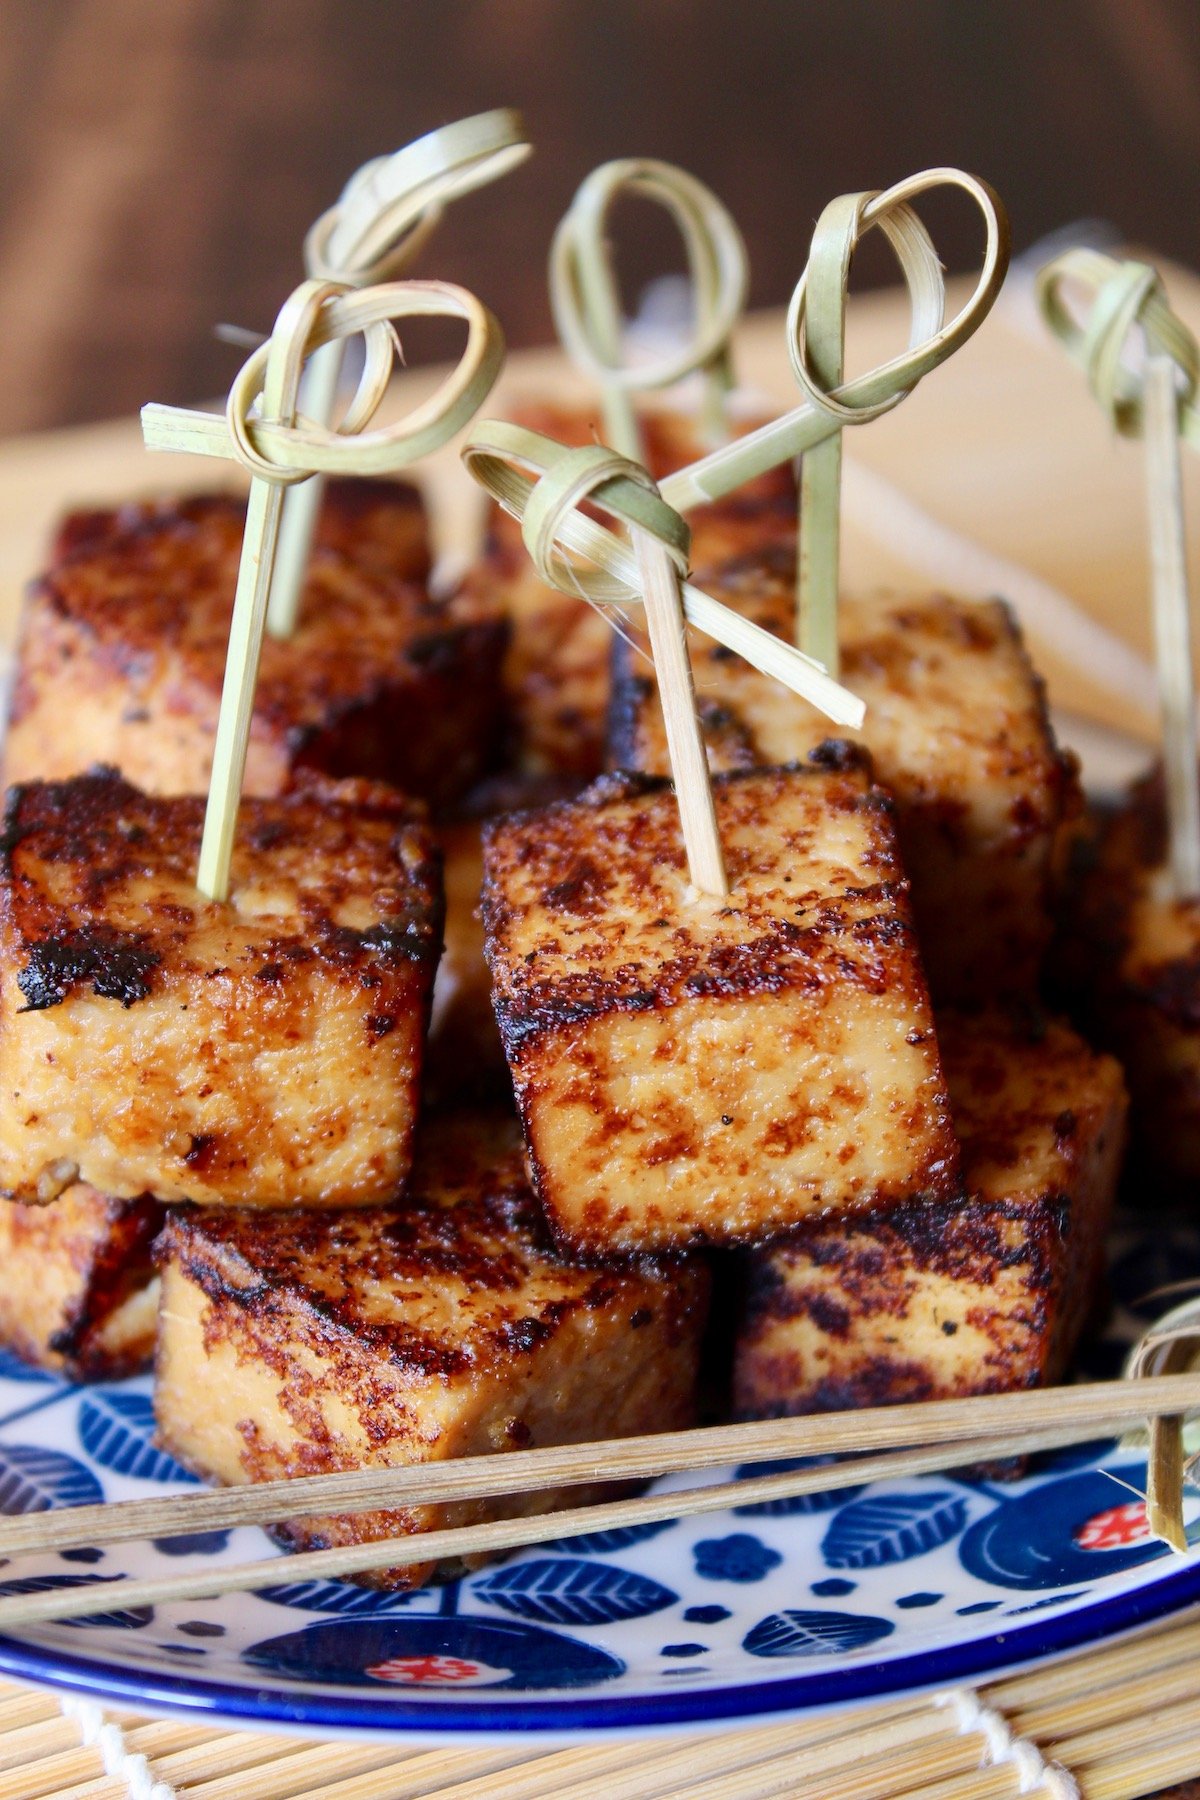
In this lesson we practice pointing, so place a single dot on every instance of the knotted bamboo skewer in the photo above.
(824, 413)
(877, 1444)
(388, 210)
(649, 570)
(1156, 402)
(586, 301)
(261, 429)
(816, 346)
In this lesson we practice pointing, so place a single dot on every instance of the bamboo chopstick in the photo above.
(509, 1534)
(1096, 1409)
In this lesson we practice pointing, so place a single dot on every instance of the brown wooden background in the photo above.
(160, 159)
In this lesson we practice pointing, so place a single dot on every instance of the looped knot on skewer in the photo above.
(280, 446)
(1124, 296)
(543, 485)
(583, 287)
(588, 473)
(392, 204)
(820, 295)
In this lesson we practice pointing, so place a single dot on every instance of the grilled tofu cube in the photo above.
(556, 672)
(929, 1302)
(122, 657)
(958, 732)
(78, 1291)
(448, 1327)
(264, 1051)
(692, 1070)
(1131, 954)
(378, 523)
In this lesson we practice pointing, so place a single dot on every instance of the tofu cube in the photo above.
(692, 1070)
(122, 656)
(263, 1051)
(932, 1302)
(78, 1291)
(448, 1327)
(377, 522)
(1130, 952)
(958, 732)
(556, 671)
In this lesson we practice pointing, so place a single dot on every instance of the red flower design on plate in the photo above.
(1114, 1529)
(434, 1671)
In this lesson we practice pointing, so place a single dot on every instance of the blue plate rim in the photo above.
(947, 1666)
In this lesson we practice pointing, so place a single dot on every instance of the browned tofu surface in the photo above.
(265, 1051)
(377, 522)
(1131, 952)
(122, 657)
(692, 1070)
(958, 732)
(556, 672)
(929, 1302)
(78, 1291)
(448, 1327)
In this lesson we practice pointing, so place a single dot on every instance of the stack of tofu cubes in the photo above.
(831, 1098)
(842, 1079)
(216, 1111)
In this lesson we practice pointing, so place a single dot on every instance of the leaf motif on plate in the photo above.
(565, 1590)
(122, 1619)
(890, 1528)
(117, 1431)
(599, 1543)
(814, 1633)
(337, 1597)
(822, 1501)
(34, 1480)
(15, 1368)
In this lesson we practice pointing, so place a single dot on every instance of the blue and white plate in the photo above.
(804, 1603)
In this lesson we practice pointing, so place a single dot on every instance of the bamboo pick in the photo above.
(1096, 1409)
(278, 450)
(508, 1534)
(585, 300)
(386, 214)
(677, 695)
(817, 336)
(1157, 403)
(659, 541)
(498, 455)
(1169, 1347)
(823, 414)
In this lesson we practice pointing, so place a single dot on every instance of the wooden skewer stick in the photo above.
(823, 414)
(1095, 1409)
(509, 1534)
(278, 450)
(1157, 403)
(508, 461)
(677, 694)
(817, 342)
(1172, 624)
(387, 212)
(586, 302)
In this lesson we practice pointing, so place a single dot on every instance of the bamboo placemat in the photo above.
(1003, 445)
(1114, 1724)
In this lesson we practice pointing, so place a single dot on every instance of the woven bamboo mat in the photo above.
(1116, 1724)
(1005, 446)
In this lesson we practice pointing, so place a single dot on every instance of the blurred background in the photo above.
(162, 159)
